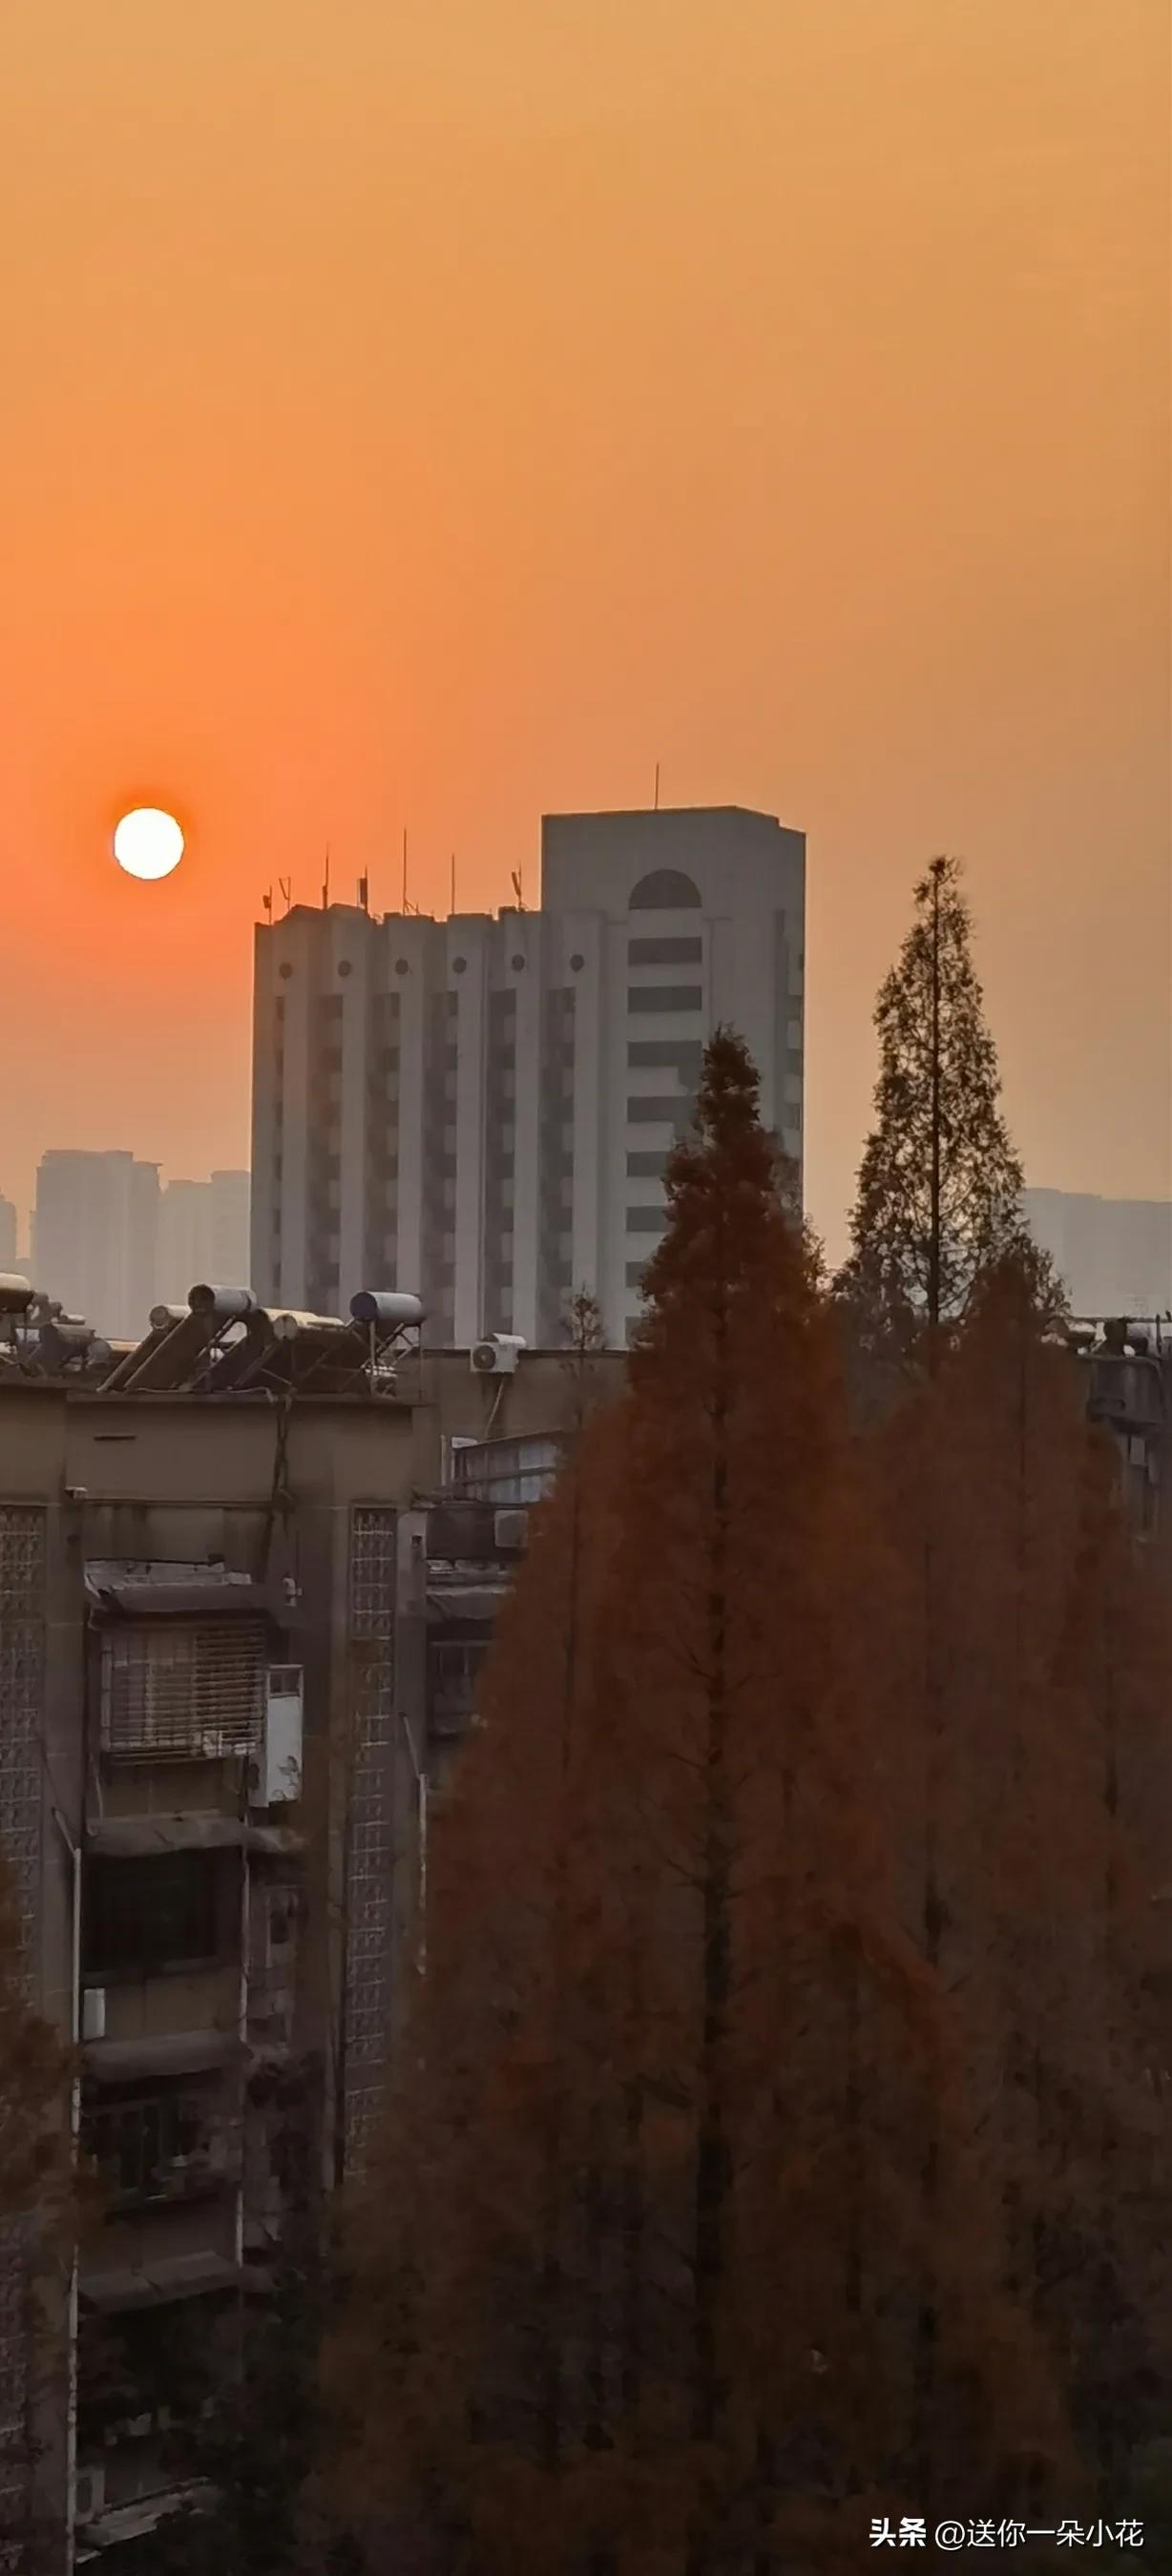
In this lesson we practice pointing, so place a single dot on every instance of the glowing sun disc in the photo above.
(148, 843)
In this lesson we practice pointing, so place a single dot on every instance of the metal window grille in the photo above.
(167, 2145)
(507, 1472)
(194, 1689)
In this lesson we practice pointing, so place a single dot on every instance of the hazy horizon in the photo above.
(434, 418)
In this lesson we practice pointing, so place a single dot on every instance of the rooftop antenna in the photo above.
(364, 894)
(286, 887)
(656, 806)
(516, 875)
(325, 892)
(453, 881)
(267, 903)
(406, 905)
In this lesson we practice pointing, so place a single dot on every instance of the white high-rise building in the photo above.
(95, 1235)
(480, 1109)
(1115, 1255)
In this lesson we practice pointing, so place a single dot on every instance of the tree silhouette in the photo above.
(632, 2277)
(939, 1186)
(37, 2222)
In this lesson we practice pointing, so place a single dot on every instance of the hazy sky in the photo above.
(437, 411)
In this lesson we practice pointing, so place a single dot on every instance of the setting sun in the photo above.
(148, 843)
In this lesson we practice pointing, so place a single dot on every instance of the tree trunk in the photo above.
(934, 1247)
(713, 2162)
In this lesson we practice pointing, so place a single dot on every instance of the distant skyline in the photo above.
(435, 418)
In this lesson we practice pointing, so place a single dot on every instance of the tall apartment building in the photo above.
(481, 1108)
(1115, 1255)
(95, 1234)
(203, 1233)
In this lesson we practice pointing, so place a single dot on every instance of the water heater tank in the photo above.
(392, 1308)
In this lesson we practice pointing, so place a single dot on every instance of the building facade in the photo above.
(228, 1675)
(7, 1234)
(1115, 1255)
(203, 1234)
(481, 1108)
(95, 1231)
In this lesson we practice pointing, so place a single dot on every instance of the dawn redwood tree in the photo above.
(629, 2276)
(34, 2071)
(1028, 1648)
(940, 1185)
(37, 2199)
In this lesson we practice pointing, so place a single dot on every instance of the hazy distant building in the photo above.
(7, 1235)
(184, 1240)
(1115, 1255)
(203, 1234)
(229, 1254)
(480, 1109)
(95, 1234)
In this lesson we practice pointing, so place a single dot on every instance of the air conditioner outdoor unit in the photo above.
(497, 1356)
(510, 1531)
(90, 2494)
(93, 2013)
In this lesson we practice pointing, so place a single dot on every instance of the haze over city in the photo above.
(779, 395)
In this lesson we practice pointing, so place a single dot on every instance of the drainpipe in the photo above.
(74, 1851)
(419, 1768)
(242, 2017)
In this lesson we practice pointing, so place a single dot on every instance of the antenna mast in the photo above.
(325, 892)
(516, 875)
(453, 881)
(656, 806)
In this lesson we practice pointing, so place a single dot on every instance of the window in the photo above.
(183, 1690)
(647, 1220)
(165, 2145)
(683, 1055)
(660, 1110)
(506, 1472)
(665, 952)
(646, 1167)
(665, 890)
(139, 1916)
(636, 1273)
(665, 997)
(455, 1665)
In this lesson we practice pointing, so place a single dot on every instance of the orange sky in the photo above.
(437, 411)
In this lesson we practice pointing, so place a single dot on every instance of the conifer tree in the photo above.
(940, 1185)
(33, 2085)
(1009, 1566)
(629, 2277)
(37, 2217)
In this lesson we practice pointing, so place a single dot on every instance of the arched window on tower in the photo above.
(665, 890)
